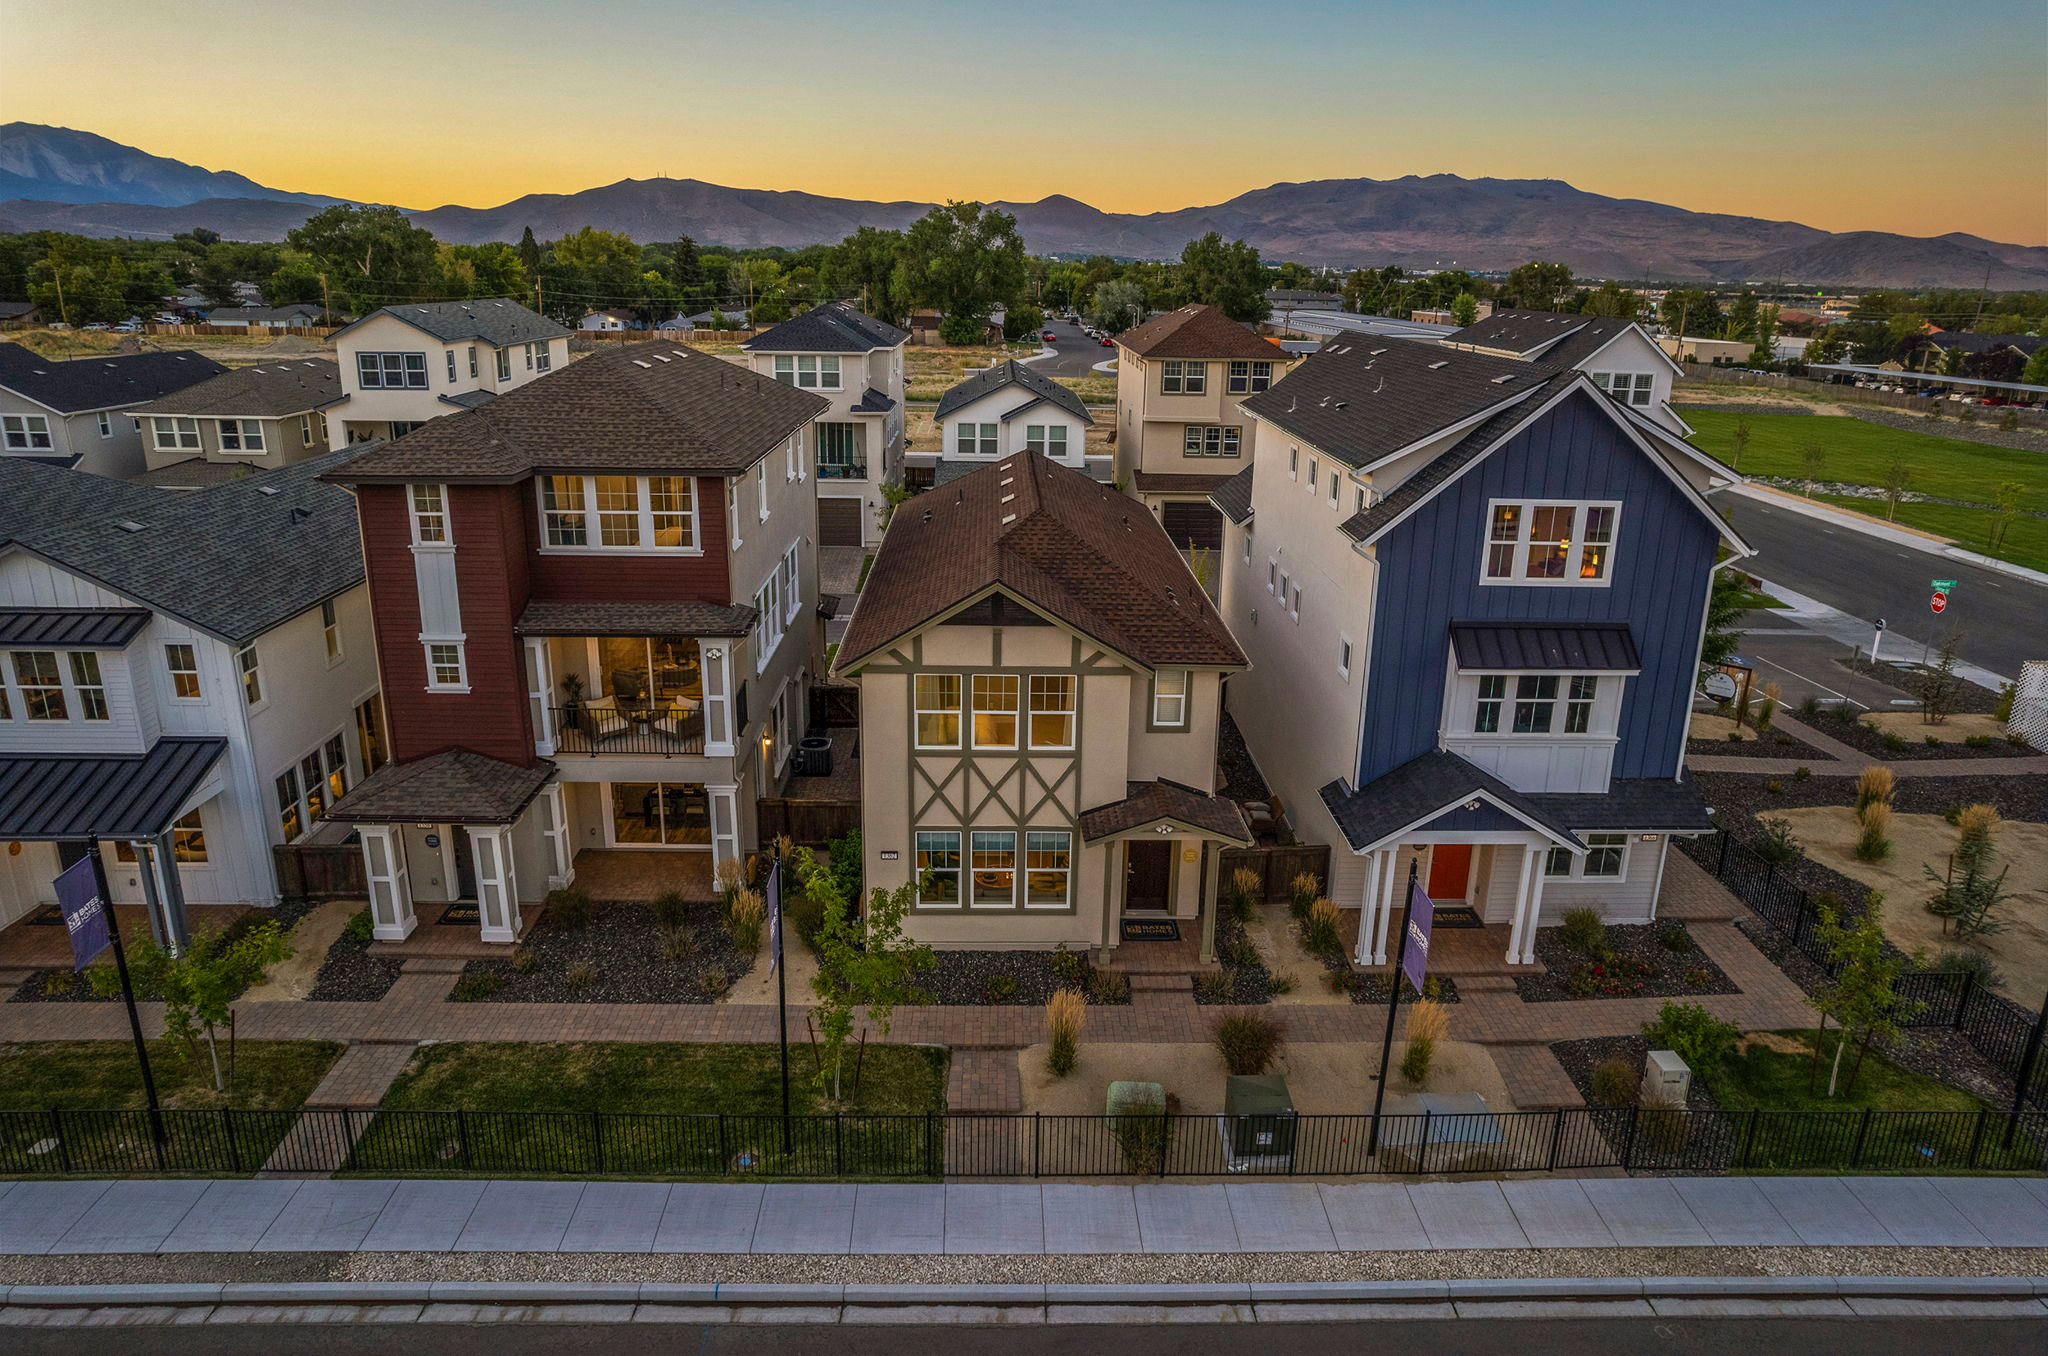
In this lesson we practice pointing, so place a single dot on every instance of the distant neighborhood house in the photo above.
(80, 413)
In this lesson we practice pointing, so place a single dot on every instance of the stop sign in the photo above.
(1939, 602)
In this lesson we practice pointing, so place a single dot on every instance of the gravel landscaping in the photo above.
(63, 985)
(1864, 739)
(1706, 1141)
(1020, 979)
(1969, 697)
(1241, 779)
(350, 974)
(1773, 744)
(1244, 976)
(615, 958)
(1644, 962)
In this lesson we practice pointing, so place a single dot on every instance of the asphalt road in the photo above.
(1892, 1336)
(1074, 353)
(2000, 620)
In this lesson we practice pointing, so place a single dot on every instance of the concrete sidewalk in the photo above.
(233, 1216)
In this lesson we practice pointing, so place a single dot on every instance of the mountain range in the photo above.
(54, 178)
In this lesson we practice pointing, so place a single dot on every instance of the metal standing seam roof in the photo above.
(73, 628)
(48, 797)
(1578, 647)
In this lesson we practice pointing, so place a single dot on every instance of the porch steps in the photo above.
(434, 965)
(1160, 981)
(1469, 984)
(14, 976)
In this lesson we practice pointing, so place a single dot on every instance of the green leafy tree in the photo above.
(1226, 275)
(1727, 600)
(590, 269)
(1694, 309)
(1117, 305)
(1898, 478)
(862, 962)
(1464, 310)
(1022, 321)
(1863, 997)
(1538, 286)
(1829, 346)
(868, 264)
(492, 270)
(2036, 372)
(296, 279)
(199, 985)
(1613, 301)
(966, 260)
(371, 255)
(1742, 317)
(216, 280)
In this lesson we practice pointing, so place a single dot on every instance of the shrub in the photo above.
(1064, 1013)
(1978, 741)
(1432, 988)
(1249, 1042)
(1778, 846)
(671, 910)
(1615, 1082)
(1873, 833)
(2008, 693)
(1698, 978)
(1953, 814)
(1873, 785)
(1583, 930)
(1280, 984)
(1774, 786)
(1968, 960)
(471, 987)
(1427, 1024)
(1695, 1035)
(677, 945)
(746, 915)
(1069, 969)
(1674, 937)
(732, 878)
(1809, 708)
(1109, 986)
(1930, 741)
(1000, 988)
(1241, 896)
(1345, 980)
(1735, 736)
(1319, 930)
(569, 908)
(1213, 985)
(60, 981)
(1303, 892)
(1894, 741)
(580, 975)
(712, 983)
(359, 927)
(1767, 710)
(1144, 1131)
(1242, 953)
(524, 960)
(1801, 773)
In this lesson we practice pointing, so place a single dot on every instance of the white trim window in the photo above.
(1048, 868)
(1630, 388)
(1249, 378)
(1052, 710)
(633, 513)
(792, 592)
(504, 363)
(305, 430)
(1212, 440)
(1179, 377)
(447, 666)
(935, 710)
(1047, 439)
(451, 367)
(1605, 859)
(1343, 656)
(995, 710)
(1314, 467)
(472, 361)
(992, 869)
(768, 602)
(242, 435)
(391, 371)
(106, 422)
(330, 631)
(543, 357)
(810, 372)
(27, 432)
(182, 663)
(1334, 479)
(250, 667)
(1550, 542)
(938, 869)
(761, 488)
(974, 440)
(1537, 699)
(529, 356)
(1170, 698)
(837, 453)
(429, 507)
(291, 820)
(171, 433)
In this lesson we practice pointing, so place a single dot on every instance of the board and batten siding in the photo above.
(1431, 569)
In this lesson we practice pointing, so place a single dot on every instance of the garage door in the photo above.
(1192, 521)
(839, 522)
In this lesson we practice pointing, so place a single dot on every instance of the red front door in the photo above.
(1450, 865)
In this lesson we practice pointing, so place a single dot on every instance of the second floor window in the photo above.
(1051, 439)
(632, 512)
(837, 457)
(330, 629)
(1630, 388)
(504, 364)
(429, 515)
(171, 434)
(183, 663)
(392, 371)
(1170, 698)
(1249, 378)
(251, 670)
(812, 373)
(40, 681)
(936, 702)
(241, 435)
(995, 710)
(1212, 440)
(1550, 543)
(974, 440)
(28, 432)
(1536, 701)
(85, 677)
(543, 359)
(451, 367)
(1177, 377)
(1052, 711)
(472, 360)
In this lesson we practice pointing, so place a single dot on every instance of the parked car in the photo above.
(1048, 336)
(1108, 342)
(97, 325)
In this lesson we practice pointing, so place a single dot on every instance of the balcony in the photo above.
(608, 726)
(853, 470)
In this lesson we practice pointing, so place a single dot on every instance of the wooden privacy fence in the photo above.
(320, 871)
(812, 823)
(1277, 867)
(258, 331)
(835, 706)
(697, 337)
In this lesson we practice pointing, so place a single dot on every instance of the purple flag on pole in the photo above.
(85, 914)
(1421, 914)
(774, 917)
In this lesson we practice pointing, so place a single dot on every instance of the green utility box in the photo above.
(1261, 1116)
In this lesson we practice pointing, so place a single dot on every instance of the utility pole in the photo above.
(326, 300)
(1684, 309)
(57, 276)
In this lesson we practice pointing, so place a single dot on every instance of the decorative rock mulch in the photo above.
(1709, 1141)
(1370, 986)
(1241, 779)
(350, 974)
(1639, 965)
(1771, 744)
(1915, 747)
(1001, 979)
(617, 956)
(1246, 980)
(1738, 797)
(1968, 696)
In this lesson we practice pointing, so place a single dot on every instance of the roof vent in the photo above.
(130, 525)
(1342, 403)
(1376, 352)
(1440, 363)
(300, 513)
(1009, 517)
(266, 489)
(1006, 498)
(1504, 378)
(639, 363)
(660, 357)
(927, 515)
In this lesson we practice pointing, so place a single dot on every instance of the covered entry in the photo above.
(1165, 843)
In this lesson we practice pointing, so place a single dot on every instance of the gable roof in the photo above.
(1011, 373)
(639, 407)
(256, 315)
(1198, 332)
(493, 320)
(1068, 547)
(1233, 498)
(194, 554)
(834, 327)
(1551, 336)
(271, 390)
(1362, 400)
(1164, 801)
(1984, 343)
(1424, 787)
(82, 384)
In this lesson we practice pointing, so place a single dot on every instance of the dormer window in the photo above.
(811, 373)
(1550, 543)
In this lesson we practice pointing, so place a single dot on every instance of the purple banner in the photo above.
(1415, 947)
(85, 914)
(774, 917)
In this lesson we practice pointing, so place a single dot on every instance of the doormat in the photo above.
(1456, 916)
(464, 914)
(47, 916)
(1164, 930)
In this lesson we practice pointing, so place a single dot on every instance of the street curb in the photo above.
(1927, 543)
(516, 1293)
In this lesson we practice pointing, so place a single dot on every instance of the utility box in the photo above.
(1260, 1115)
(1667, 1079)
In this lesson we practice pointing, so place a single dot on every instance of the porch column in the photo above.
(1368, 909)
(1212, 859)
(497, 885)
(152, 900)
(715, 670)
(171, 889)
(1521, 922)
(1388, 872)
(391, 915)
(553, 808)
(540, 673)
(725, 825)
(1535, 910)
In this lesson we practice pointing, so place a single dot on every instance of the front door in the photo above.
(465, 862)
(1148, 864)
(1450, 867)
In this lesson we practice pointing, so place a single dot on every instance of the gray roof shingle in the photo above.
(1422, 788)
(1234, 497)
(267, 391)
(875, 402)
(1011, 373)
(458, 786)
(1551, 336)
(834, 327)
(1576, 647)
(101, 383)
(491, 320)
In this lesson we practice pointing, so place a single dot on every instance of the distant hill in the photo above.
(74, 181)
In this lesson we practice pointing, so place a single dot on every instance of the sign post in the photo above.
(775, 967)
(1876, 637)
(82, 898)
(1411, 962)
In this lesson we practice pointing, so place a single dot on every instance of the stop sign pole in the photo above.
(1938, 604)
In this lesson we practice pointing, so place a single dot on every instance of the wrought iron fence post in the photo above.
(1977, 1135)
(1721, 867)
(227, 1130)
(1862, 1129)
(724, 1154)
(1963, 999)
(63, 1149)
(462, 1135)
(348, 1140)
(1748, 1138)
(1428, 1119)
(1165, 1137)
(839, 1143)
(597, 1138)
(1037, 1142)
(1628, 1147)
(929, 1170)
(1556, 1137)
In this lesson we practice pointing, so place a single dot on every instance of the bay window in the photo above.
(1538, 542)
(1537, 698)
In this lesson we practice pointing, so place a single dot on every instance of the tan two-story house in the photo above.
(247, 418)
(404, 365)
(1041, 683)
(1180, 379)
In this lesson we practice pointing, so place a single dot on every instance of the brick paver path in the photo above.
(1535, 1080)
(984, 1082)
(362, 1075)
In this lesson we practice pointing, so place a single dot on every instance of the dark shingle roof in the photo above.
(469, 400)
(639, 407)
(492, 320)
(1576, 647)
(1551, 336)
(1151, 802)
(1361, 400)
(1011, 373)
(234, 560)
(194, 473)
(10, 310)
(78, 628)
(1986, 343)
(100, 383)
(117, 796)
(1234, 497)
(458, 786)
(1198, 332)
(269, 391)
(257, 315)
(1638, 804)
(1178, 482)
(1423, 788)
(547, 618)
(875, 402)
(834, 327)
(1054, 538)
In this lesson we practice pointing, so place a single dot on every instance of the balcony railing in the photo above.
(642, 731)
(857, 470)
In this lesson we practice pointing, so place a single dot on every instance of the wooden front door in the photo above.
(1148, 868)
(1450, 867)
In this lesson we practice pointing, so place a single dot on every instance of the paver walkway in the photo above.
(194, 1216)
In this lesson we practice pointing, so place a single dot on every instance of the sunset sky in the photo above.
(1913, 117)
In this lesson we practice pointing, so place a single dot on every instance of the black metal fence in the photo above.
(2006, 1034)
(518, 1143)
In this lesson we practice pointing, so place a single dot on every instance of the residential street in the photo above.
(1074, 353)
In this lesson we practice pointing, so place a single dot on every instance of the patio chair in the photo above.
(604, 719)
(679, 720)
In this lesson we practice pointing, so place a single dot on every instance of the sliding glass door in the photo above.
(660, 814)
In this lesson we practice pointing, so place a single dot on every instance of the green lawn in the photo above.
(1776, 1080)
(1861, 453)
(2026, 540)
(104, 1075)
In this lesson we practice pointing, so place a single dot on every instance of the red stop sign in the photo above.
(1939, 602)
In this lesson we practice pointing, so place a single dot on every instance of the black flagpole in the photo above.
(99, 885)
(782, 1002)
(1379, 1095)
